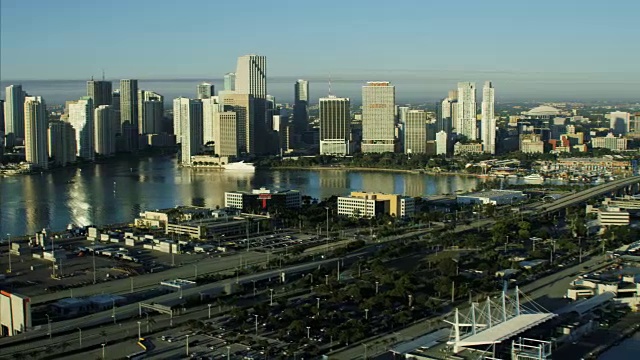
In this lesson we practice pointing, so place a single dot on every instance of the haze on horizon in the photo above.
(553, 49)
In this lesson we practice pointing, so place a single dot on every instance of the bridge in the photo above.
(629, 185)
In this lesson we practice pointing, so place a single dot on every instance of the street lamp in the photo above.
(103, 351)
(113, 310)
(48, 324)
(327, 246)
(195, 276)
(457, 266)
(366, 314)
(9, 236)
(228, 350)
(139, 331)
(256, 315)
(318, 303)
(187, 340)
(365, 350)
(271, 299)
(308, 332)
(377, 287)
(209, 306)
(80, 337)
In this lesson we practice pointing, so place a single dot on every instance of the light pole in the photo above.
(80, 337)
(271, 298)
(308, 332)
(139, 331)
(318, 303)
(327, 246)
(326, 280)
(209, 306)
(256, 315)
(377, 287)
(187, 340)
(366, 314)
(113, 310)
(93, 259)
(195, 276)
(9, 236)
(228, 350)
(254, 288)
(365, 350)
(457, 266)
(48, 324)
(131, 278)
(103, 351)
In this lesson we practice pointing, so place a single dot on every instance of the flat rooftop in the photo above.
(492, 193)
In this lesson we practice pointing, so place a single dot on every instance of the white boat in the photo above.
(534, 177)
(239, 166)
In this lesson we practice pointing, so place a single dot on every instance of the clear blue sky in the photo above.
(561, 40)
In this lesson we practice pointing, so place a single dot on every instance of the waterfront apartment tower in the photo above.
(488, 119)
(129, 114)
(229, 81)
(301, 106)
(335, 125)
(466, 123)
(190, 115)
(378, 117)
(415, 132)
(35, 128)
(205, 90)
(81, 118)
(150, 112)
(105, 137)
(100, 92)
(62, 143)
(14, 113)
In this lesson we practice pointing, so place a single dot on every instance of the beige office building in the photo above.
(415, 132)
(242, 105)
(378, 117)
(225, 133)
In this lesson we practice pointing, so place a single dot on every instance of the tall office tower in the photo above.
(402, 113)
(251, 78)
(62, 143)
(189, 112)
(210, 107)
(225, 133)
(129, 114)
(205, 90)
(14, 113)
(100, 92)
(243, 106)
(465, 122)
(35, 132)
(150, 112)
(272, 110)
(115, 107)
(335, 125)
(301, 106)
(229, 81)
(378, 117)
(105, 137)
(488, 119)
(81, 118)
(415, 132)
(619, 122)
(444, 114)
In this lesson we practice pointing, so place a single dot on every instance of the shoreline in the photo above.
(404, 171)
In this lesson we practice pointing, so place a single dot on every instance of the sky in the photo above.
(574, 47)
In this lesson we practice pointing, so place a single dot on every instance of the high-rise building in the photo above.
(466, 111)
(100, 91)
(243, 106)
(402, 113)
(35, 132)
(301, 106)
(189, 112)
(251, 78)
(335, 125)
(229, 81)
(14, 113)
(129, 114)
(488, 119)
(150, 112)
(415, 132)
(619, 122)
(225, 133)
(445, 112)
(81, 118)
(115, 107)
(205, 90)
(210, 107)
(441, 142)
(62, 143)
(378, 117)
(105, 137)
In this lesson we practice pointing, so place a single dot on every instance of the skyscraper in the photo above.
(35, 132)
(301, 106)
(229, 81)
(488, 119)
(251, 78)
(150, 112)
(14, 113)
(81, 118)
(205, 90)
(415, 132)
(466, 112)
(619, 122)
(378, 117)
(189, 112)
(225, 133)
(335, 125)
(115, 107)
(100, 92)
(210, 107)
(105, 137)
(129, 114)
(62, 143)
(243, 106)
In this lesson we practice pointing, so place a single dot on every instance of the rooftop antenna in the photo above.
(102, 74)
(329, 84)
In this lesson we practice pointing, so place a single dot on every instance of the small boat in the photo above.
(534, 177)
(239, 166)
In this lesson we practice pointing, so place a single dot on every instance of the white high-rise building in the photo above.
(210, 107)
(378, 117)
(488, 119)
(229, 81)
(466, 111)
(189, 113)
(81, 118)
(619, 122)
(150, 112)
(441, 142)
(14, 112)
(205, 90)
(62, 143)
(335, 125)
(301, 106)
(105, 137)
(35, 132)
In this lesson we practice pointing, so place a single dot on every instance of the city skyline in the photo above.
(588, 74)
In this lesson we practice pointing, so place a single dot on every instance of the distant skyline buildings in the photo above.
(301, 105)
(189, 113)
(488, 118)
(105, 137)
(81, 118)
(35, 138)
(150, 112)
(466, 113)
(129, 114)
(14, 112)
(378, 117)
(415, 132)
(100, 91)
(61, 143)
(229, 81)
(205, 90)
(335, 125)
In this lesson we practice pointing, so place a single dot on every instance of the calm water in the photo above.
(117, 192)
(627, 350)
